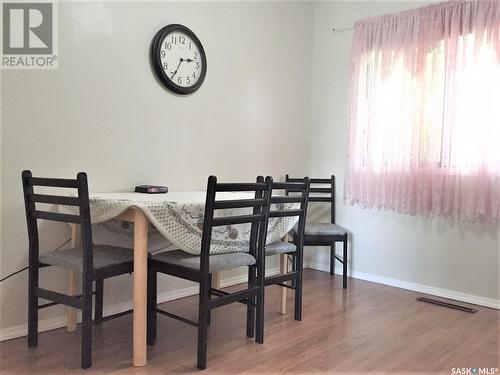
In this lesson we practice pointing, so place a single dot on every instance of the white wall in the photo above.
(432, 254)
(103, 112)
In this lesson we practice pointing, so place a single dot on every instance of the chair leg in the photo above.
(203, 322)
(152, 305)
(298, 287)
(99, 291)
(209, 315)
(332, 259)
(251, 304)
(259, 322)
(344, 264)
(86, 359)
(32, 307)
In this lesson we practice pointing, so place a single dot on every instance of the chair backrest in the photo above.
(321, 190)
(258, 218)
(301, 187)
(31, 198)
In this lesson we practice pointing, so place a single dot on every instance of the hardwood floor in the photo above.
(369, 328)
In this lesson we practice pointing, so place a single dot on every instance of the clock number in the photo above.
(168, 46)
(189, 45)
(188, 81)
(179, 80)
(182, 40)
(197, 65)
(196, 55)
(165, 66)
(163, 53)
(174, 39)
(194, 75)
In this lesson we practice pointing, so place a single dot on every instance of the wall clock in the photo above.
(178, 59)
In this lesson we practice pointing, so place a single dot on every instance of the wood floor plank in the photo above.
(368, 328)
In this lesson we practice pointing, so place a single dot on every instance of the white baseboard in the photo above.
(22, 330)
(60, 321)
(439, 292)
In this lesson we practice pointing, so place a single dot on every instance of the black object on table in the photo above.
(151, 189)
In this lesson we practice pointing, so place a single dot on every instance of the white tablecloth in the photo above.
(178, 219)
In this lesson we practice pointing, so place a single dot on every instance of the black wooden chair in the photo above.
(326, 234)
(94, 262)
(199, 268)
(293, 250)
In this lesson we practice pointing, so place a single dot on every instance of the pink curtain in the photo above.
(425, 112)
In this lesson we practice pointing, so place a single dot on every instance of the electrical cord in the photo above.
(14, 273)
(25, 268)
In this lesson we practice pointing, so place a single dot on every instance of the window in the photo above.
(425, 112)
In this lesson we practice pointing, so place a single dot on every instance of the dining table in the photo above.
(178, 218)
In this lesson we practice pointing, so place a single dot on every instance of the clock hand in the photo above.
(188, 60)
(174, 73)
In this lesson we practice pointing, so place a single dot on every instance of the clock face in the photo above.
(179, 59)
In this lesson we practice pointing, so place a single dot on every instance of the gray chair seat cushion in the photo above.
(104, 256)
(322, 229)
(280, 248)
(217, 262)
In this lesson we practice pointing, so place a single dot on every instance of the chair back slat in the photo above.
(291, 186)
(320, 180)
(320, 192)
(233, 220)
(286, 199)
(311, 180)
(54, 199)
(320, 199)
(241, 187)
(52, 182)
(285, 213)
(290, 179)
(55, 216)
(239, 203)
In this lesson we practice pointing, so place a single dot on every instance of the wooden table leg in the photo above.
(216, 280)
(73, 281)
(283, 270)
(140, 287)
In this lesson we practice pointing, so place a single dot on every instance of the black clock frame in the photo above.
(156, 59)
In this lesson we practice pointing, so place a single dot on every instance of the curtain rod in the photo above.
(342, 30)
